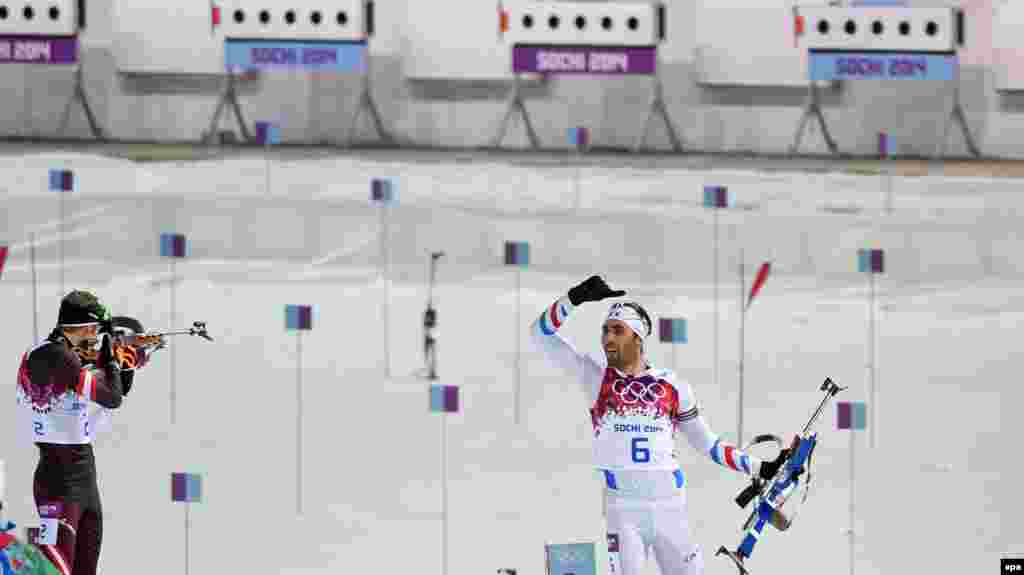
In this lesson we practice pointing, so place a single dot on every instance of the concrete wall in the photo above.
(466, 113)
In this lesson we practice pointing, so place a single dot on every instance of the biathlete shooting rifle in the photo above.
(132, 346)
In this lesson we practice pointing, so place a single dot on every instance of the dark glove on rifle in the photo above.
(593, 289)
(106, 354)
(770, 468)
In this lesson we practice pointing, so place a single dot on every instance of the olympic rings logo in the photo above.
(638, 392)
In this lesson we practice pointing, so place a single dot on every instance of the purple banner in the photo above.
(38, 49)
(598, 60)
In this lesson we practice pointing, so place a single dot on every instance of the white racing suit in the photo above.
(636, 420)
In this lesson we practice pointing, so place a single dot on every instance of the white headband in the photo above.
(628, 316)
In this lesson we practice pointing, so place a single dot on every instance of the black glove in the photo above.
(106, 354)
(107, 326)
(126, 381)
(770, 468)
(593, 289)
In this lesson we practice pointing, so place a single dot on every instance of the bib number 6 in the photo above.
(640, 453)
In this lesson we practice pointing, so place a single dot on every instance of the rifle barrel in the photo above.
(830, 390)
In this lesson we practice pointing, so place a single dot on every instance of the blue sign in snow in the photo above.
(830, 66)
(343, 57)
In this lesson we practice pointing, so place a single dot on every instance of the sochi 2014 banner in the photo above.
(543, 59)
(341, 56)
(829, 66)
(38, 49)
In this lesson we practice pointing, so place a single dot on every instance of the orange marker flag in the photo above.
(502, 20)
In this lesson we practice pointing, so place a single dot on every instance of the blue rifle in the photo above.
(772, 494)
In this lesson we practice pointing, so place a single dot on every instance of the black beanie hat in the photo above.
(81, 308)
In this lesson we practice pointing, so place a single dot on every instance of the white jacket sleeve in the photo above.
(560, 351)
(703, 440)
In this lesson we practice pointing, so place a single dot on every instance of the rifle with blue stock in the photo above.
(772, 495)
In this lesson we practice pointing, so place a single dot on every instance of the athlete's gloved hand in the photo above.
(127, 377)
(593, 289)
(106, 354)
(770, 468)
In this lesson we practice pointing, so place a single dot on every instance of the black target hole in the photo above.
(316, 17)
(342, 18)
(239, 16)
(553, 22)
(632, 23)
(581, 22)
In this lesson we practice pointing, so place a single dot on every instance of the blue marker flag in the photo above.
(716, 197)
(173, 245)
(579, 137)
(517, 254)
(444, 398)
(186, 487)
(870, 261)
(382, 191)
(267, 134)
(851, 415)
(298, 317)
(61, 181)
(672, 330)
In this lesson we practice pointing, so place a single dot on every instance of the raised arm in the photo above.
(560, 351)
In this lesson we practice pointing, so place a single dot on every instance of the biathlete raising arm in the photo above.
(637, 411)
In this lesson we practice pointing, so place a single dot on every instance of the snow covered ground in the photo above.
(937, 495)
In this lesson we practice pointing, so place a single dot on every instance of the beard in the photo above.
(618, 359)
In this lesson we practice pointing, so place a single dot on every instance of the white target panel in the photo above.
(582, 23)
(889, 28)
(40, 17)
(294, 20)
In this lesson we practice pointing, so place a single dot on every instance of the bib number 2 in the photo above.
(641, 454)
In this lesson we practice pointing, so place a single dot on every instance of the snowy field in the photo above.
(936, 495)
